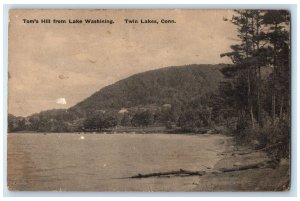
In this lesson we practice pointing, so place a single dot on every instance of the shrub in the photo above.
(274, 137)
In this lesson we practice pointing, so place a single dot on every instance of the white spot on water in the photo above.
(104, 165)
(82, 137)
(61, 101)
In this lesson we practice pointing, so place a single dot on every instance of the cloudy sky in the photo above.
(58, 65)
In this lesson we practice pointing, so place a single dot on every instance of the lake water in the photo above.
(94, 162)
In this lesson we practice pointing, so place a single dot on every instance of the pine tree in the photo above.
(278, 38)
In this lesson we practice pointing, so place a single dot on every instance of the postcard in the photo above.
(149, 100)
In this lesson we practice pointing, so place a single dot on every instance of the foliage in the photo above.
(172, 85)
(155, 97)
(258, 84)
(98, 121)
(194, 120)
(15, 123)
(142, 118)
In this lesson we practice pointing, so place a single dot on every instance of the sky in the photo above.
(58, 65)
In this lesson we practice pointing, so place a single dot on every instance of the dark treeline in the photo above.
(195, 116)
(257, 90)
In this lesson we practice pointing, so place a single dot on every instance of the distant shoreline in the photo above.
(133, 130)
(128, 133)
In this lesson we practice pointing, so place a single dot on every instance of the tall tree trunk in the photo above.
(274, 79)
(274, 107)
(250, 99)
(253, 73)
(252, 116)
(281, 106)
(259, 116)
(250, 102)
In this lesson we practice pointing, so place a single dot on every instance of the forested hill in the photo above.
(170, 85)
(170, 96)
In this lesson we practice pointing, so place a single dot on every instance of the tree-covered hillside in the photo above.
(171, 85)
(167, 96)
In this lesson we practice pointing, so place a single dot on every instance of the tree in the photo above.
(142, 118)
(110, 121)
(98, 121)
(34, 122)
(126, 119)
(278, 25)
(258, 82)
(194, 120)
(11, 121)
(250, 56)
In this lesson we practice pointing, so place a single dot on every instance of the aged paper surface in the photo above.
(149, 100)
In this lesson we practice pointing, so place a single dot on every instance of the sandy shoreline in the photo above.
(259, 179)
